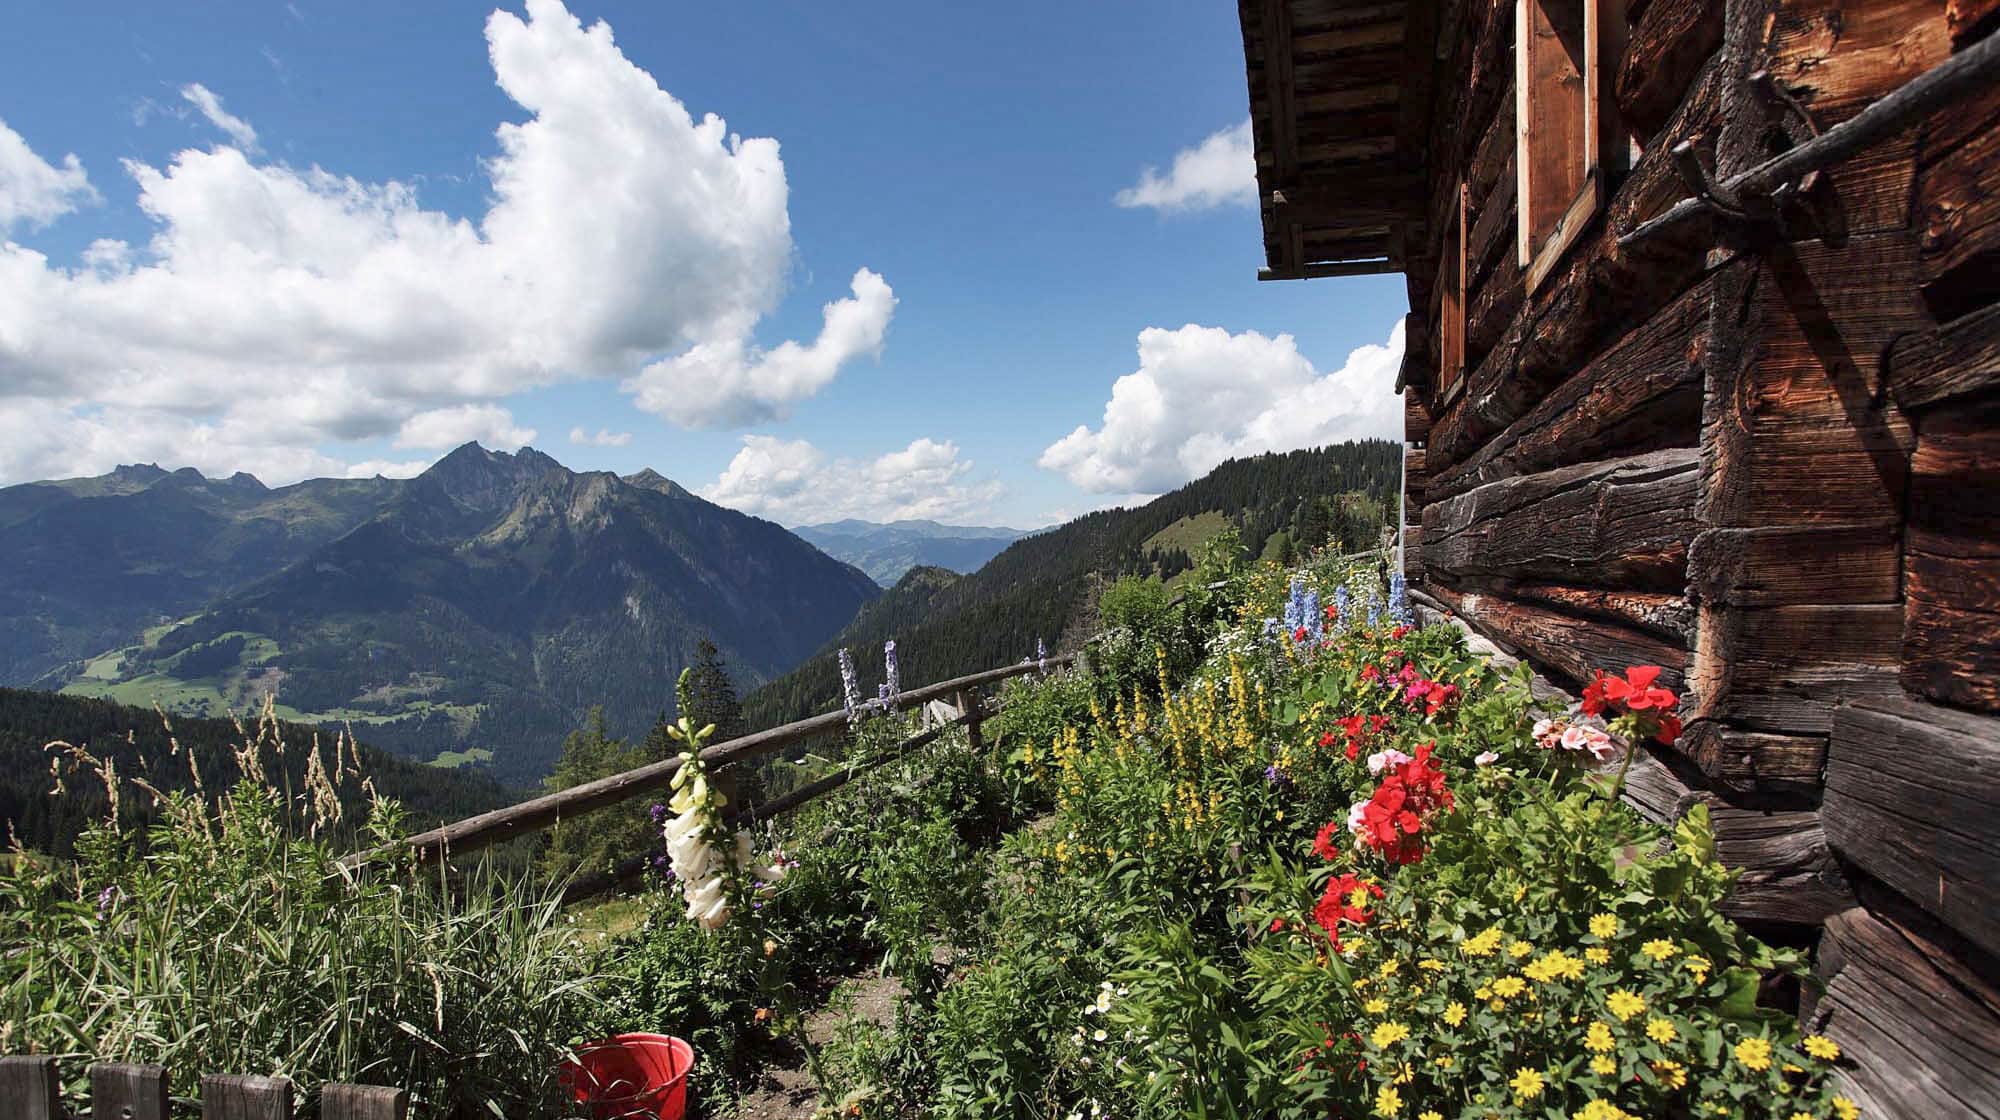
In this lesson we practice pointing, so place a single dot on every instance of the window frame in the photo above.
(1450, 300)
(1604, 154)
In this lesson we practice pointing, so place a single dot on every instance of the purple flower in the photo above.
(1041, 656)
(105, 899)
(658, 812)
(882, 696)
(1276, 776)
(893, 670)
(850, 688)
(1340, 607)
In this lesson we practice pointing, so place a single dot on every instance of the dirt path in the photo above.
(787, 1091)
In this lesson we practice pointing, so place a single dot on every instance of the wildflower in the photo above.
(1482, 944)
(1660, 1030)
(1099, 1035)
(893, 671)
(1382, 760)
(1597, 954)
(1527, 1085)
(1041, 656)
(1444, 1061)
(1699, 966)
(106, 898)
(1507, 987)
(1519, 949)
(1375, 1006)
(1671, 1074)
(1844, 1108)
(1399, 600)
(1388, 1101)
(850, 686)
(1341, 603)
(1603, 1066)
(1624, 1004)
(1346, 899)
(1660, 949)
(1485, 758)
(1431, 964)
(1597, 1039)
(1754, 1053)
(1604, 926)
(1600, 1110)
(1430, 1114)
(1822, 1047)
(1454, 1014)
(1386, 1035)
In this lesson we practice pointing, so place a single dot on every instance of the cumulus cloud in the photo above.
(728, 382)
(278, 307)
(210, 106)
(440, 428)
(32, 191)
(1220, 171)
(601, 438)
(795, 483)
(1202, 395)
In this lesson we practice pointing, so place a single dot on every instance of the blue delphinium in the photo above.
(1041, 656)
(1342, 604)
(893, 670)
(1399, 600)
(850, 688)
(1295, 606)
(1374, 614)
(1314, 621)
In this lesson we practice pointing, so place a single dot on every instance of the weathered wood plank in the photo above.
(1958, 206)
(1755, 763)
(1783, 668)
(129, 1092)
(1621, 523)
(1910, 794)
(363, 1102)
(1569, 648)
(1640, 394)
(30, 1089)
(1787, 565)
(1959, 359)
(1671, 42)
(228, 1096)
(1920, 1043)
(1951, 637)
(1662, 614)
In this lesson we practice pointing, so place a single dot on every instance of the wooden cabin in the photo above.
(1703, 370)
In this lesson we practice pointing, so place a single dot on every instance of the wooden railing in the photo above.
(495, 826)
(31, 1089)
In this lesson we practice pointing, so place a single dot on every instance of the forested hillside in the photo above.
(1032, 589)
(137, 742)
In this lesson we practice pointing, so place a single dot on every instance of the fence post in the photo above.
(972, 709)
(29, 1089)
(228, 1096)
(128, 1092)
(362, 1102)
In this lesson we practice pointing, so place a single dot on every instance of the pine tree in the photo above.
(706, 695)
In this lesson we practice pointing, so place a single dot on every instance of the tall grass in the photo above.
(230, 939)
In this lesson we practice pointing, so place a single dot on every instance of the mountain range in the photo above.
(886, 551)
(478, 610)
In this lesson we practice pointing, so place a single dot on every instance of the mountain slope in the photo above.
(1032, 590)
(92, 561)
(492, 601)
(886, 551)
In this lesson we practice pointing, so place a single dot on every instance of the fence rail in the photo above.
(31, 1089)
(489, 828)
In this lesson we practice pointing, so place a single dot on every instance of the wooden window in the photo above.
(1566, 55)
(1451, 303)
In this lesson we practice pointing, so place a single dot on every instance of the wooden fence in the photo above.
(31, 1089)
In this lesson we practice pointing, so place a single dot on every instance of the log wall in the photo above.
(1765, 456)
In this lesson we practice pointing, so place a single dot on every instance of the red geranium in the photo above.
(1648, 709)
(1327, 844)
(1338, 904)
(1393, 818)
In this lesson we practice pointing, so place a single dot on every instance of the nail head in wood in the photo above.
(228, 1096)
(29, 1089)
(128, 1092)
(363, 1102)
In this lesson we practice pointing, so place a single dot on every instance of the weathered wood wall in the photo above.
(1766, 458)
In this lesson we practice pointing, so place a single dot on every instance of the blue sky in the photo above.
(313, 253)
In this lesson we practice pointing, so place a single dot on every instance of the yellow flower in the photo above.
(1388, 1101)
(1624, 1004)
(1507, 987)
(1444, 1061)
(1844, 1108)
(1603, 1066)
(1660, 1031)
(1604, 925)
(1482, 993)
(1802, 1116)
(1527, 1085)
(1390, 966)
(1388, 1034)
(1430, 1114)
(1375, 1006)
(1822, 1047)
(1597, 1038)
(1454, 1013)
(1405, 1074)
(1600, 1110)
(1597, 954)
(1671, 1074)
(1482, 944)
(1519, 949)
(1429, 964)
(1754, 1053)
(1660, 949)
(1699, 966)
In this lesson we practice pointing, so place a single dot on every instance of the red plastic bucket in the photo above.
(631, 1077)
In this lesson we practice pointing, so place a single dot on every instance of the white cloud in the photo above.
(278, 307)
(1202, 395)
(1220, 171)
(730, 383)
(369, 468)
(601, 438)
(793, 482)
(32, 191)
(442, 428)
(210, 106)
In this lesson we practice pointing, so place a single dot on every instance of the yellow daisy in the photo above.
(1597, 954)
(1660, 949)
(1388, 1101)
(1604, 925)
(1519, 949)
(1822, 1047)
(1527, 1085)
(1844, 1108)
(1454, 1013)
(1754, 1053)
(1388, 1034)
(1660, 1031)
(1671, 1074)
(1624, 1004)
(1375, 1006)
(1603, 1066)
(1507, 987)
(1598, 1039)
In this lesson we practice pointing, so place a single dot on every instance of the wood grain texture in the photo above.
(1958, 359)
(1951, 639)
(363, 1102)
(1958, 206)
(1785, 565)
(1755, 764)
(1621, 523)
(1668, 46)
(129, 1092)
(1910, 793)
(1568, 648)
(228, 1096)
(1921, 1038)
(1783, 668)
(30, 1089)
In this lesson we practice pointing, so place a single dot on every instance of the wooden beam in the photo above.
(30, 1089)
(1283, 119)
(1363, 198)
(1950, 362)
(1323, 269)
(363, 1102)
(128, 1092)
(236, 1097)
(492, 827)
